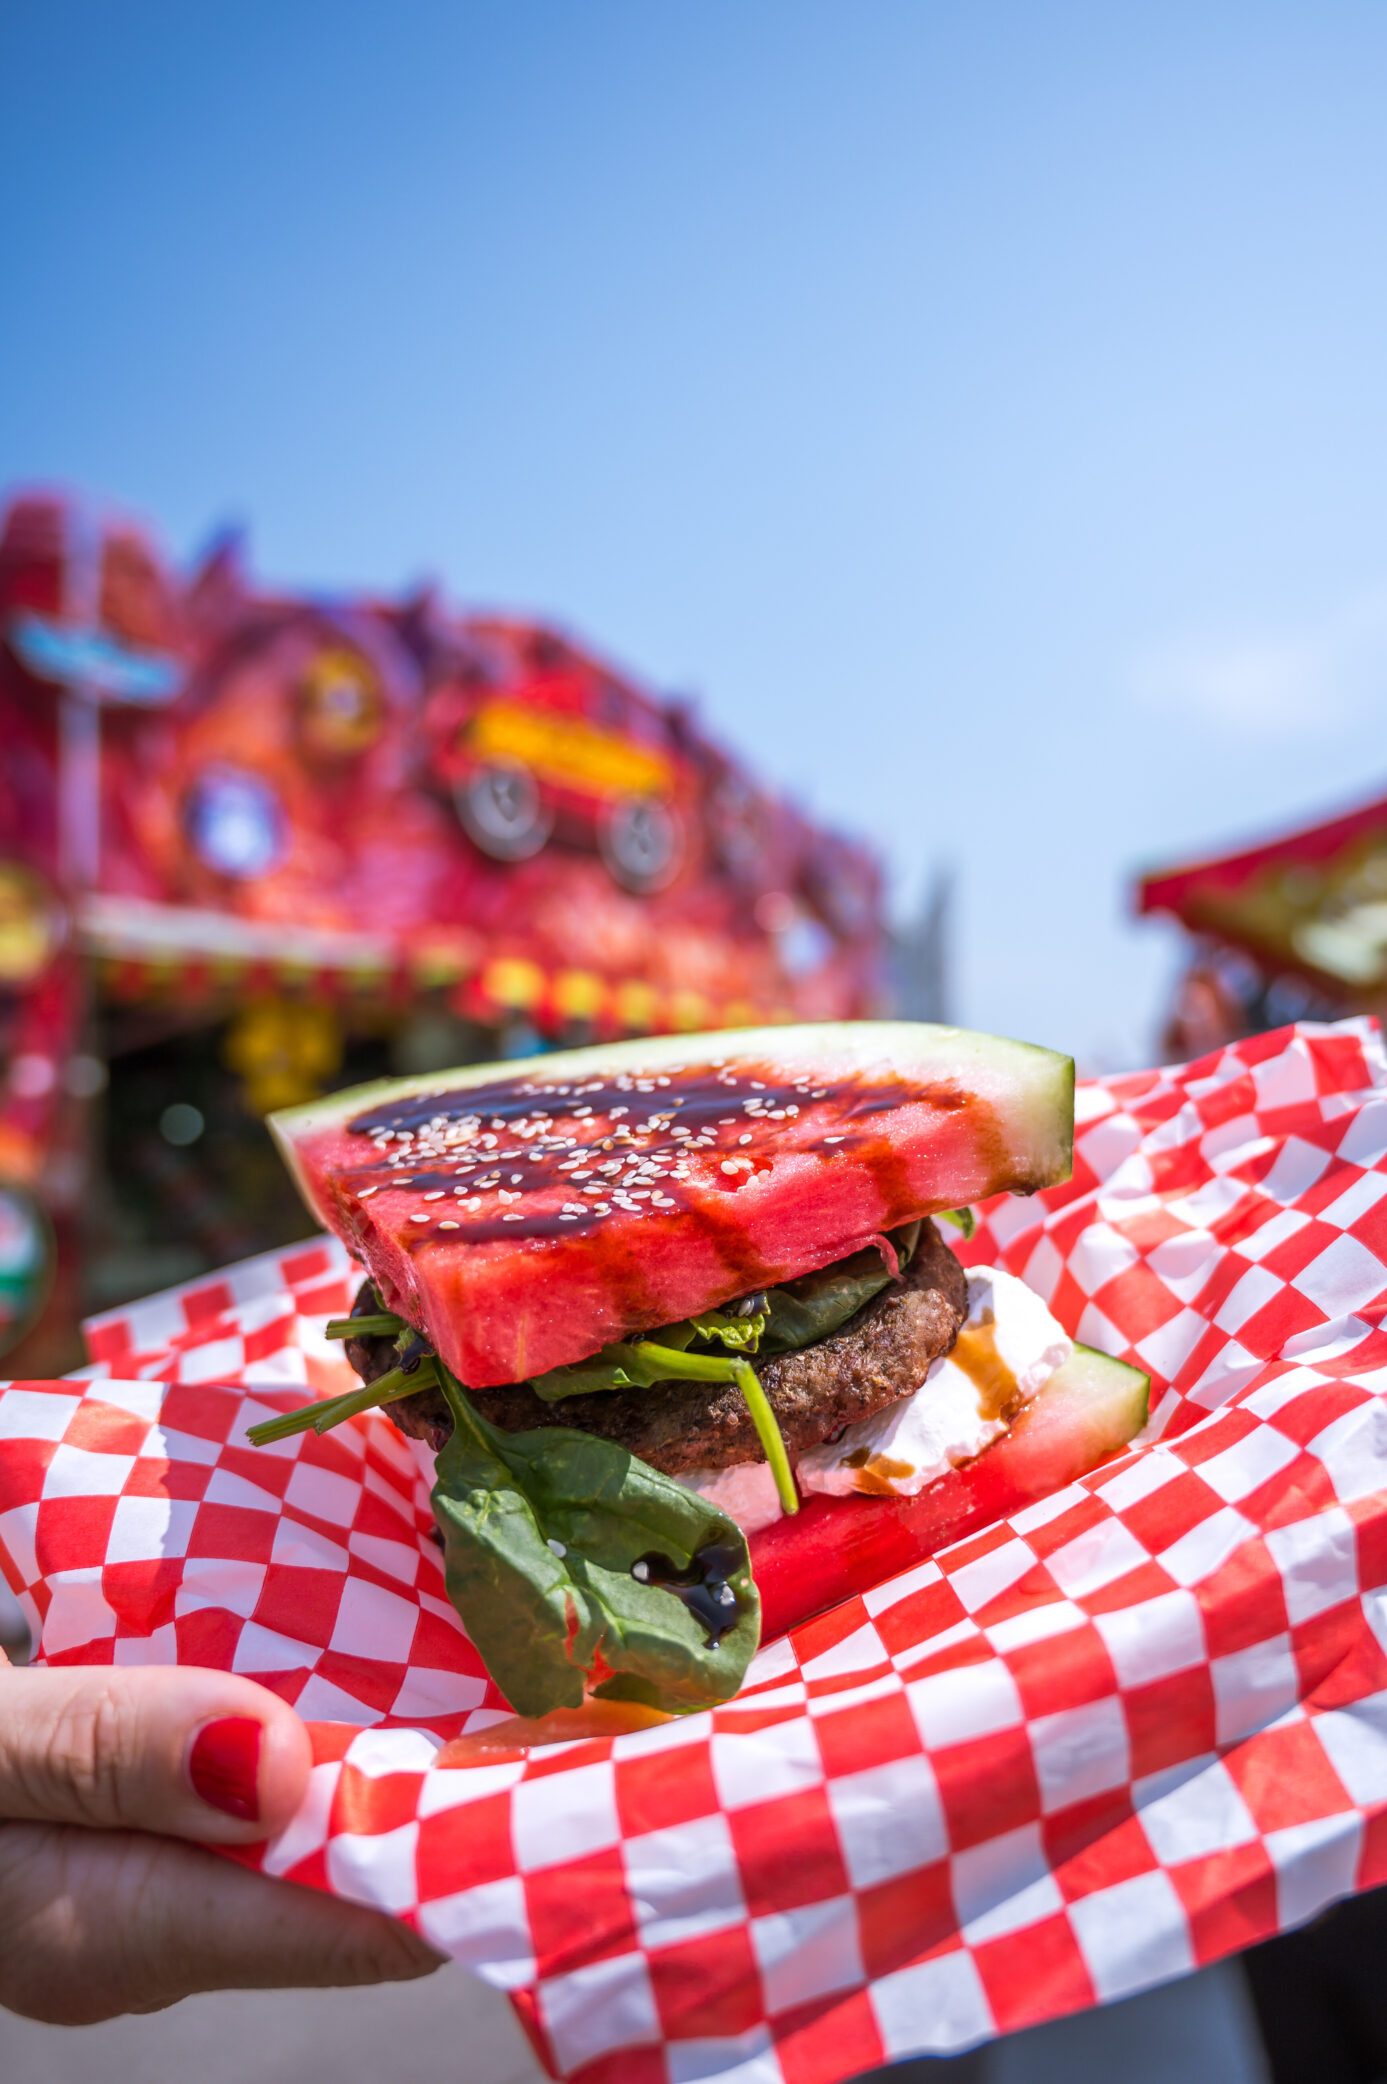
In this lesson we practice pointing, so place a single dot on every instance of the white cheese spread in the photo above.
(1009, 1346)
(745, 1492)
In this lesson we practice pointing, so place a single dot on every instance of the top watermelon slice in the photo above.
(529, 1213)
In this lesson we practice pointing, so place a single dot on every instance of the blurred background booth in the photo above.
(1294, 929)
(256, 844)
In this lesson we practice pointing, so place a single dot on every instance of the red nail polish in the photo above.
(224, 1765)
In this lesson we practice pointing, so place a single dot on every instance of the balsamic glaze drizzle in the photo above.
(528, 1159)
(705, 1587)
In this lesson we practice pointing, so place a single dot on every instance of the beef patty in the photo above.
(879, 1355)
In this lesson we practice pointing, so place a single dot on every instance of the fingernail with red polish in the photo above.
(224, 1766)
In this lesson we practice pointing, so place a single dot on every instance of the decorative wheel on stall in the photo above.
(502, 810)
(642, 843)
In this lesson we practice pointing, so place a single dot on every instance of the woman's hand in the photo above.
(102, 1910)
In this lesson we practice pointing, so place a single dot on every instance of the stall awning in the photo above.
(1314, 901)
(148, 951)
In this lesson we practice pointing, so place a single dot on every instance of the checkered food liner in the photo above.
(1137, 1726)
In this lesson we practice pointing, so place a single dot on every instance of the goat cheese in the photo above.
(745, 1492)
(1009, 1345)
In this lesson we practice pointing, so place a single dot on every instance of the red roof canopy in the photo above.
(1168, 889)
(1314, 901)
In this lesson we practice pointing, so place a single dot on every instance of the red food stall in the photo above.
(1291, 929)
(254, 844)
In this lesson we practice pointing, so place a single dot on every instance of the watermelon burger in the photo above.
(675, 1320)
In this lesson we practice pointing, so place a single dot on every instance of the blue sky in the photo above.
(981, 409)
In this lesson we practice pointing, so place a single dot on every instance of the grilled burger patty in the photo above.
(879, 1355)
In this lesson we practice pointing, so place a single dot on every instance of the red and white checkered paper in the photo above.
(1138, 1726)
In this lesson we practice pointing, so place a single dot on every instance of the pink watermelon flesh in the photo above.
(832, 1548)
(527, 1215)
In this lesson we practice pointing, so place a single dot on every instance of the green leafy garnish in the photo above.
(319, 1418)
(645, 1363)
(575, 1565)
(380, 1325)
(617, 1366)
(809, 1309)
(709, 1367)
(542, 1532)
(741, 1334)
(961, 1218)
(782, 1320)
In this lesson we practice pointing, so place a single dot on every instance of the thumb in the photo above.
(172, 1749)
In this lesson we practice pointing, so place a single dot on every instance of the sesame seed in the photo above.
(512, 1216)
(448, 1224)
(437, 1195)
(418, 1219)
(746, 1138)
(833, 1139)
(729, 1165)
(367, 1191)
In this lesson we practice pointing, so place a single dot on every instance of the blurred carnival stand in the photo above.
(1295, 929)
(255, 844)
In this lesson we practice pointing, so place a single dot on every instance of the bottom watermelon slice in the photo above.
(833, 1548)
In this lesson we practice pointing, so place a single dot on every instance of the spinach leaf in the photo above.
(739, 1334)
(618, 1366)
(321, 1417)
(809, 1309)
(644, 1363)
(540, 1534)
(823, 1304)
(625, 1363)
(379, 1324)
(781, 1321)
